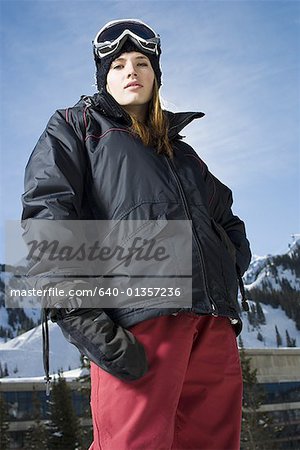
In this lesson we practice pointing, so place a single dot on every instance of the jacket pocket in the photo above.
(125, 233)
(224, 238)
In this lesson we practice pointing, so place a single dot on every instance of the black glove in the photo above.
(111, 347)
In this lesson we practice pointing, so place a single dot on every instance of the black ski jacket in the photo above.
(88, 165)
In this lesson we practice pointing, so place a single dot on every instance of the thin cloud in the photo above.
(233, 60)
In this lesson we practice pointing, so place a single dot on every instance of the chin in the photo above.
(135, 102)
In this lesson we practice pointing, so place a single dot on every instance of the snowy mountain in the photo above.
(272, 284)
(14, 321)
(22, 355)
(21, 340)
(275, 273)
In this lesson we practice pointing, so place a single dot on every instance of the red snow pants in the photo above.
(190, 398)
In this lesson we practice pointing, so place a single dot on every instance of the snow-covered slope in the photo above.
(270, 275)
(23, 354)
(256, 266)
(266, 275)
(14, 321)
(274, 317)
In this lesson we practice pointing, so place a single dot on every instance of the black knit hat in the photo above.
(103, 64)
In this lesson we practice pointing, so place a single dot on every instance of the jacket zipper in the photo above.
(188, 215)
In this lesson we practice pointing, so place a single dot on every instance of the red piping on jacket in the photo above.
(199, 161)
(84, 116)
(107, 131)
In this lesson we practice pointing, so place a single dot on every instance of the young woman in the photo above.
(161, 378)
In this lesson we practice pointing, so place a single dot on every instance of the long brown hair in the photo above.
(154, 133)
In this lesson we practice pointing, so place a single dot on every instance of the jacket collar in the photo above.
(179, 120)
(108, 106)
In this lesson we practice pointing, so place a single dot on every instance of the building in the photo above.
(20, 395)
(278, 372)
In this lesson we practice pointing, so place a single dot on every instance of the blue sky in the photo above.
(237, 61)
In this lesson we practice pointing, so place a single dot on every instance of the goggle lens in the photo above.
(114, 31)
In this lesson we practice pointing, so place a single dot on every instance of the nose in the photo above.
(131, 70)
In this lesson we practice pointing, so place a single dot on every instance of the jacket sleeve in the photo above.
(108, 345)
(55, 172)
(53, 190)
(220, 205)
(54, 185)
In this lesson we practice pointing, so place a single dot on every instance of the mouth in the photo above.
(133, 84)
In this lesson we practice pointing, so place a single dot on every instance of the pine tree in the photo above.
(4, 425)
(290, 342)
(36, 436)
(260, 336)
(288, 339)
(261, 318)
(278, 337)
(240, 341)
(255, 433)
(252, 316)
(64, 425)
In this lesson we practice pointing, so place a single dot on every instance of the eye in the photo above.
(118, 66)
(142, 64)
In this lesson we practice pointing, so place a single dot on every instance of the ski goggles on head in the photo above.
(112, 36)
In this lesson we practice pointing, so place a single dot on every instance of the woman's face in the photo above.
(130, 81)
